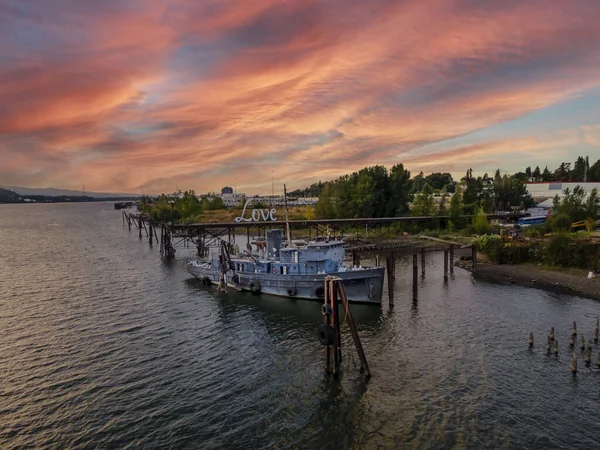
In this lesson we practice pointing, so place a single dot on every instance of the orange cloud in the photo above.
(195, 94)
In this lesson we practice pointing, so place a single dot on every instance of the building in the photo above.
(545, 190)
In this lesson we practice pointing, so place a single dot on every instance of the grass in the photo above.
(229, 215)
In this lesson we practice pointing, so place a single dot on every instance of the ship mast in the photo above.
(287, 223)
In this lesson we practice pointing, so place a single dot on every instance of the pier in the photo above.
(204, 236)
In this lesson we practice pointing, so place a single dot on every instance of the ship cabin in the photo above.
(315, 258)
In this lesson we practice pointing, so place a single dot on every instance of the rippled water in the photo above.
(104, 344)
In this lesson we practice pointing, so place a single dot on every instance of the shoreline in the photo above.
(532, 276)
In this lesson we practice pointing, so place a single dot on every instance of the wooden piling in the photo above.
(473, 257)
(451, 257)
(140, 226)
(415, 277)
(423, 262)
(150, 237)
(391, 267)
(445, 263)
(162, 233)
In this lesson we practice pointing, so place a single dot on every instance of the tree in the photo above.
(561, 223)
(547, 175)
(438, 180)
(480, 222)
(528, 173)
(363, 198)
(324, 207)
(536, 175)
(400, 188)
(594, 172)
(424, 204)
(418, 182)
(579, 170)
(576, 204)
(456, 210)
(562, 173)
(442, 206)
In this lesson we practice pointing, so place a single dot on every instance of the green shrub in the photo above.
(561, 223)
(500, 252)
(480, 222)
(558, 251)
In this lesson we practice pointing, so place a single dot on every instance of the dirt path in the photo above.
(529, 275)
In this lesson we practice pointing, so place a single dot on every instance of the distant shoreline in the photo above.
(70, 200)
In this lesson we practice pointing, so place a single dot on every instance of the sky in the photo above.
(153, 96)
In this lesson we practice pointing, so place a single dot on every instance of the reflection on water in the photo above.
(106, 344)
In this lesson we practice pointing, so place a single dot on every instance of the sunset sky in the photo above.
(150, 95)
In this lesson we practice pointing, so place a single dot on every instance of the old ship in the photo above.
(293, 271)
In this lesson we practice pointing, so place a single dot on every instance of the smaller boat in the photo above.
(293, 272)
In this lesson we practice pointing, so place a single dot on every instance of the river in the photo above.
(104, 344)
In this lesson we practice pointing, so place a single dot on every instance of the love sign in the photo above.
(257, 215)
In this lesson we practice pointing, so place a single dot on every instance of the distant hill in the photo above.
(52, 192)
(8, 196)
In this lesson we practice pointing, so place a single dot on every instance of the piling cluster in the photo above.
(586, 348)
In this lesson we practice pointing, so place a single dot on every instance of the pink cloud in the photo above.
(165, 93)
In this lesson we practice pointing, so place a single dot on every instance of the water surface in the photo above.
(104, 344)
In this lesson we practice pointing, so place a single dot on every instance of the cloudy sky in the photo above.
(150, 95)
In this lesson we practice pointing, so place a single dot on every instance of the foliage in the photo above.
(563, 251)
(561, 223)
(423, 204)
(500, 252)
(456, 209)
(168, 209)
(370, 192)
(210, 203)
(576, 204)
(480, 222)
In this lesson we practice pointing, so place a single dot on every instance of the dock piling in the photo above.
(423, 262)
(415, 277)
(391, 268)
(445, 263)
(451, 257)
(473, 257)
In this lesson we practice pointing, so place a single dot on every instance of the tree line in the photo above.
(378, 192)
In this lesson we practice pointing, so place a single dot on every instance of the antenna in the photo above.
(287, 223)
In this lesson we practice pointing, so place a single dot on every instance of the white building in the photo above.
(545, 190)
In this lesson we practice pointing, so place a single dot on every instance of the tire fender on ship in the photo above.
(326, 334)
(320, 292)
(254, 287)
(292, 292)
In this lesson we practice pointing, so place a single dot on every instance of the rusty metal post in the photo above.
(326, 321)
(452, 259)
(423, 262)
(335, 323)
(445, 263)
(415, 277)
(352, 326)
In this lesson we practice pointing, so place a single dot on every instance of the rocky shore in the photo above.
(563, 281)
